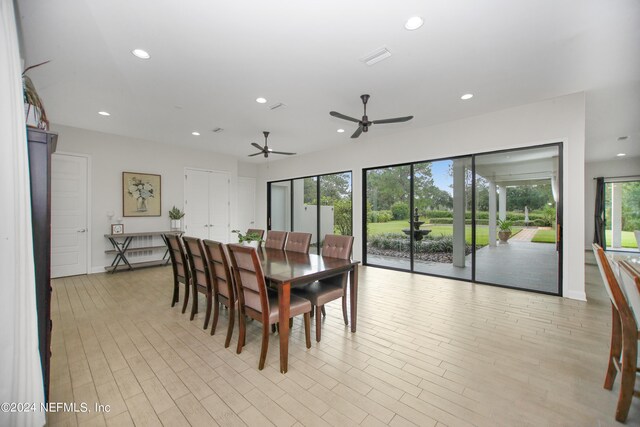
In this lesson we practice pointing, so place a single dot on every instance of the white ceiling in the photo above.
(211, 60)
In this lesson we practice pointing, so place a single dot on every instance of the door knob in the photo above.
(82, 231)
(206, 225)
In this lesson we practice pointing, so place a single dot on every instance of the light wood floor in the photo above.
(428, 352)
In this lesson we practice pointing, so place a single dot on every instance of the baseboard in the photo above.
(577, 295)
(95, 270)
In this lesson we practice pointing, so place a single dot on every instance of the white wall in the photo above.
(112, 154)
(558, 119)
(607, 169)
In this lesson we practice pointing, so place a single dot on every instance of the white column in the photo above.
(502, 202)
(458, 213)
(616, 215)
(492, 213)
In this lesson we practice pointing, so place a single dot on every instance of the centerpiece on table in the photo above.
(249, 239)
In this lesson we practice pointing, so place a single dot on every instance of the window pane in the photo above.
(442, 228)
(335, 205)
(280, 206)
(622, 215)
(305, 208)
(387, 244)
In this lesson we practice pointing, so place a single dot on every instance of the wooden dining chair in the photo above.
(256, 302)
(631, 287)
(298, 242)
(180, 268)
(200, 278)
(224, 291)
(326, 290)
(276, 239)
(623, 349)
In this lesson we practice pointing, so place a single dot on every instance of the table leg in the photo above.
(284, 302)
(353, 296)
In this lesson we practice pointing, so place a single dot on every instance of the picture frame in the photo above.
(117, 228)
(141, 194)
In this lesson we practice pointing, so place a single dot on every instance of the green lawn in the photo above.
(545, 236)
(482, 231)
(628, 239)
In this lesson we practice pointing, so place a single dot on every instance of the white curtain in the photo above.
(20, 372)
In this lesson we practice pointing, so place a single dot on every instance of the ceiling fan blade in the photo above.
(254, 154)
(395, 120)
(357, 132)
(343, 117)
(259, 147)
(282, 152)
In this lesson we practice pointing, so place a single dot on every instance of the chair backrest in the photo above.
(276, 239)
(177, 255)
(298, 242)
(252, 290)
(631, 287)
(219, 268)
(256, 231)
(618, 298)
(197, 262)
(336, 246)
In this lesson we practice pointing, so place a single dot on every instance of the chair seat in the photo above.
(297, 306)
(319, 293)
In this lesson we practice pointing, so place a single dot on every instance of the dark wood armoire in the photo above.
(41, 146)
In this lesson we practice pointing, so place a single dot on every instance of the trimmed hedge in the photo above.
(380, 216)
(400, 242)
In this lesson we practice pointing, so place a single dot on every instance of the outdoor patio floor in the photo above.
(518, 264)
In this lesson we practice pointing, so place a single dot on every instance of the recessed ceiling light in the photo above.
(467, 96)
(195, 133)
(261, 100)
(621, 154)
(103, 113)
(414, 23)
(340, 130)
(142, 54)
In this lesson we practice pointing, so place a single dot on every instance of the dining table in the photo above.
(285, 269)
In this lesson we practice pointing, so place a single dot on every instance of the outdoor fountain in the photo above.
(417, 233)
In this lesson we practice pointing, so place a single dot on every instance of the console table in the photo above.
(121, 247)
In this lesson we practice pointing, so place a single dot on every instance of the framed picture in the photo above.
(117, 228)
(141, 194)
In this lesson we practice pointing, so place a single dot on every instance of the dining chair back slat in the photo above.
(200, 278)
(276, 239)
(298, 242)
(224, 290)
(179, 266)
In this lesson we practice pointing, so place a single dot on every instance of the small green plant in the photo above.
(505, 225)
(249, 237)
(175, 213)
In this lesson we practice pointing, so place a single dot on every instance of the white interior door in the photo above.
(246, 203)
(196, 203)
(69, 222)
(219, 183)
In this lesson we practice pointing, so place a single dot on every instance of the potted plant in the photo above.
(504, 232)
(249, 239)
(33, 108)
(176, 215)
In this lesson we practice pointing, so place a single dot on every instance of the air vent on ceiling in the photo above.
(376, 56)
(276, 106)
(216, 130)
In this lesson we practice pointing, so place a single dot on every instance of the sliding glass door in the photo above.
(319, 205)
(517, 202)
(490, 217)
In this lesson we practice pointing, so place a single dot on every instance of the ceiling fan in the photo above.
(364, 123)
(265, 151)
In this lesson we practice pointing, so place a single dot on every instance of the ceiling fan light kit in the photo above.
(365, 123)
